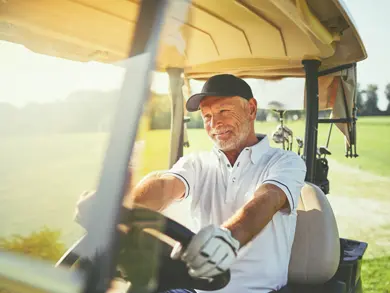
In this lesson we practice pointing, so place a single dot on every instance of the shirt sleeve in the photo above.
(288, 173)
(184, 169)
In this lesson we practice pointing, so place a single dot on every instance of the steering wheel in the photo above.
(144, 253)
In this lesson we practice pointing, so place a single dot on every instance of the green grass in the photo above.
(376, 275)
(373, 146)
(42, 177)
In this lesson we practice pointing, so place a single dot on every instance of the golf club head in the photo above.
(288, 130)
(277, 138)
(285, 130)
(324, 151)
(280, 138)
(299, 142)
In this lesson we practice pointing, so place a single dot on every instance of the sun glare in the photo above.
(30, 77)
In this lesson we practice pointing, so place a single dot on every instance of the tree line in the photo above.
(367, 101)
(83, 111)
(92, 111)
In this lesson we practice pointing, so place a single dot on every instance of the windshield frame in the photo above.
(114, 177)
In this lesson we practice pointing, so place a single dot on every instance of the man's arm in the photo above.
(248, 221)
(279, 191)
(214, 248)
(161, 188)
(202, 256)
(156, 191)
(241, 228)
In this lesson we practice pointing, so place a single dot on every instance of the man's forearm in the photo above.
(152, 192)
(256, 214)
(148, 195)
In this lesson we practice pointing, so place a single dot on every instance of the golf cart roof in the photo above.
(252, 39)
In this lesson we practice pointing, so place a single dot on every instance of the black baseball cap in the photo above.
(222, 85)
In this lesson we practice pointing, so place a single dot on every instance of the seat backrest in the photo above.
(315, 253)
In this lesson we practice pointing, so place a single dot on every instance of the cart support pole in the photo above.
(177, 118)
(309, 155)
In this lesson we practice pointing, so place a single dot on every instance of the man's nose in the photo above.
(215, 121)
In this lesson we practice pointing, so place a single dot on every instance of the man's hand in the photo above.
(84, 208)
(211, 252)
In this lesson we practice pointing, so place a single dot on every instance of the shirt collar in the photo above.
(256, 151)
(259, 148)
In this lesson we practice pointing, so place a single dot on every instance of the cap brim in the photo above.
(193, 102)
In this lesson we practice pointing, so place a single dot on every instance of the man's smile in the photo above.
(222, 134)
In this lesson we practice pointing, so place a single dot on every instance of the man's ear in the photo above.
(252, 108)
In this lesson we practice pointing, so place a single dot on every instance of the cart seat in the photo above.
(315, 253)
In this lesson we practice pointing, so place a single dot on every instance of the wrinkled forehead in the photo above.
(217, 102)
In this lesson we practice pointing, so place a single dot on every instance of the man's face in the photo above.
(227, 121)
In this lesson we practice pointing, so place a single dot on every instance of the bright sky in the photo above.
(373, 22)
(30, 77)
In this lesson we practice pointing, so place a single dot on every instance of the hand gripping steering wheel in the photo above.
(144, 253)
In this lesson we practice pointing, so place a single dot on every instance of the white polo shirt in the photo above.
(217, 190)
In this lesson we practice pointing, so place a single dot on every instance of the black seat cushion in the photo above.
(332, 286)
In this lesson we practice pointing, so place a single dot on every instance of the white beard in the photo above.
(235, 141)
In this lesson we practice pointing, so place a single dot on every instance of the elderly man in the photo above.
(243, 193)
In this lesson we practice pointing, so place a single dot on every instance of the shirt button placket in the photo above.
(228, 190)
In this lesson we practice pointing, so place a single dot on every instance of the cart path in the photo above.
(365, 220)
(336, 166)
(361, 204)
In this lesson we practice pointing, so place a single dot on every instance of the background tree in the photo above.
(387, 93)
(359, 100)
(371, 105)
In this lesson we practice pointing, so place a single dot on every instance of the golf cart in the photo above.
(193, 40)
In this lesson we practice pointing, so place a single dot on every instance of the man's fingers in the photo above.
(217, 264)
(207, 265)
(208, 248)
(205, 271)
(218, 257)
(225, 262)
(211, 252)
(198, 243)
(210, 270)
(204, 257)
